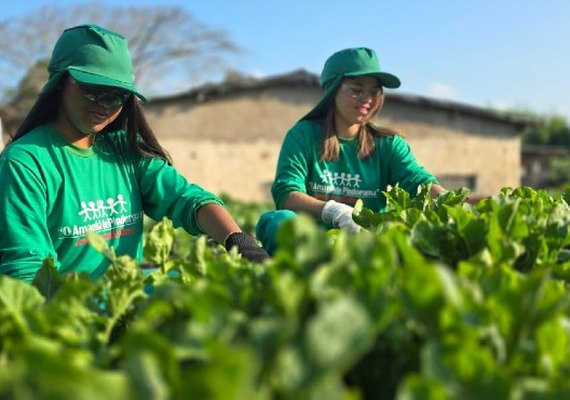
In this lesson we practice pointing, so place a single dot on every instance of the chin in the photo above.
(94, 129)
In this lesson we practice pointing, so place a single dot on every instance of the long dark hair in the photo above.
(132, 120)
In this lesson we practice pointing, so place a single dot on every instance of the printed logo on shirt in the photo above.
(342, 185)
(341, 179)
(96, 209)
(102, 216)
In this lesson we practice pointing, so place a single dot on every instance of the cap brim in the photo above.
(386, 79)
(91, 79)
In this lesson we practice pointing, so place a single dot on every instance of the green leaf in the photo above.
(17, 298)
(338, 334)
(98, 243)
(48, 279)
(290, 371)
(566, 195)
(470, 227)
(302, 245)
(144, 370)
(39, 371)
(418, 387)
(229, 374)
(553, 340)
(159, 242)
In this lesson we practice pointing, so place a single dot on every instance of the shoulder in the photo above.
(389, 137)
(306, 131)
(309, 125)
(32, 146)
(388, 145)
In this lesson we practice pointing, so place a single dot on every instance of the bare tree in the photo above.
(170, 47)
(24, 97)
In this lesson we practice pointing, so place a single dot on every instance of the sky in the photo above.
(505, 54)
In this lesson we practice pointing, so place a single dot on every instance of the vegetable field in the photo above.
(437, 299)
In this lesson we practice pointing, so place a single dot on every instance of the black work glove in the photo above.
(246, 246)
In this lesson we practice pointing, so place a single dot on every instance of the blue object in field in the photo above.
(149, 287)
(268, 225)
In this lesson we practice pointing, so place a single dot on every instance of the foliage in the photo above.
(165, 41)
(435, 299)
(548, 130)
(559, 172)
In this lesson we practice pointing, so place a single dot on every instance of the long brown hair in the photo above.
(330, 147)
(132, 120)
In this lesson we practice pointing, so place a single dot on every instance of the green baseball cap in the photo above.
(351, 63)
(94, 56)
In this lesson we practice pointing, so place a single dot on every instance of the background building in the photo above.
(227, 136)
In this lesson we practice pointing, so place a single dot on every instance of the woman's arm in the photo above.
(217, 223)
(167, 193)
(302, 202)
(436, 190)
(25, 239)
(295, 157)
(407, 172)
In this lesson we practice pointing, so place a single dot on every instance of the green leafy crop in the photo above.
(436, 298)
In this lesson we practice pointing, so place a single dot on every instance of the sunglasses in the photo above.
(103, 95)
(359, 93)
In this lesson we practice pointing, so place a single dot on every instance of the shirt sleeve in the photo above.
(23, 208)
(292, 165)
(166, 193)
(404, 168)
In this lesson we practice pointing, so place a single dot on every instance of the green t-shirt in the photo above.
(348, 178)
(54, 192)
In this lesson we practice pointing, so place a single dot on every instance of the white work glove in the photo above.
(340, 216)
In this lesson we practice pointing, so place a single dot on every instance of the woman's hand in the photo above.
(246, 246)
(215, 221)
(340, 216)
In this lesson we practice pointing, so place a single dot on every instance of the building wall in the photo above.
(231, 144)
(233, 118)
(243, 170)
(452, 144)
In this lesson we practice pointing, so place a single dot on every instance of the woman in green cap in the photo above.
(334, 155)
(85, 159)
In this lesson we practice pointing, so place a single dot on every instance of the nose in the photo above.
(366, 98)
